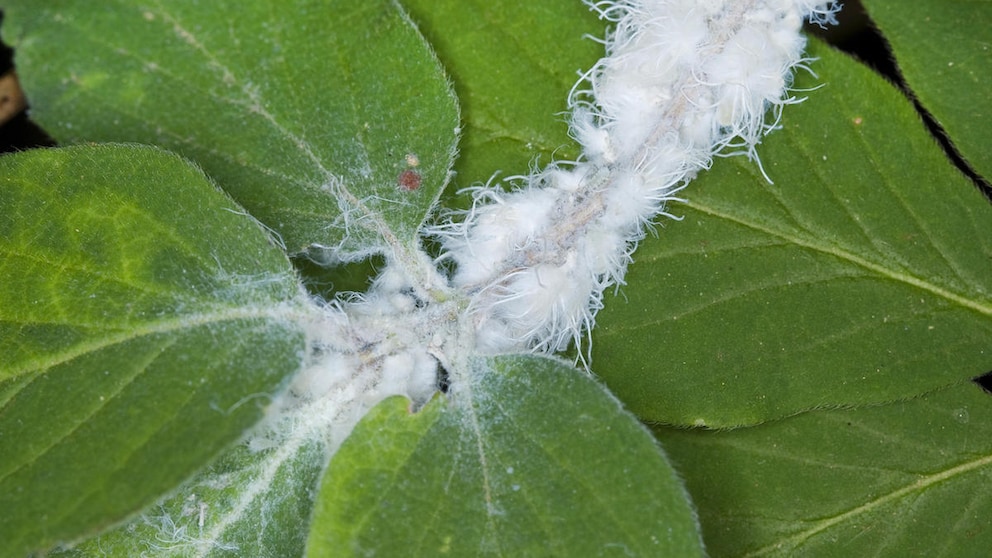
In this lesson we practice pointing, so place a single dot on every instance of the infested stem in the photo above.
(682, 81)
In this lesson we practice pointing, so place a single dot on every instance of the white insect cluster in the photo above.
(683, 81)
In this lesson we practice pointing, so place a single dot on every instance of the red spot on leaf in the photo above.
(409, 180)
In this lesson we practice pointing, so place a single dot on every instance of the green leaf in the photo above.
(905, 479)
(862, 275)
(529, 457)
(513, 63)
(143, 322)
(944, 52)
(244, 504)
(307, 112)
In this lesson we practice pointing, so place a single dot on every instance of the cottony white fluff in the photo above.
(683, 80)
(361, 352)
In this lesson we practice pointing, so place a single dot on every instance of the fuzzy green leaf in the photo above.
(513, 63)
(862, 275)
(244, 504)
(905, 479)
(143, 322)
(529, 457)
(951, 81)
(307, 112)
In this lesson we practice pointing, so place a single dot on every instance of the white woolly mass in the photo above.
(683, 81)
(361, 352)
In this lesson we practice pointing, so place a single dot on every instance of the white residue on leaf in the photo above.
(362, 351)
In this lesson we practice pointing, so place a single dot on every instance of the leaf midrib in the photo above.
(983, 309)
(921, 484)
(283, 312)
